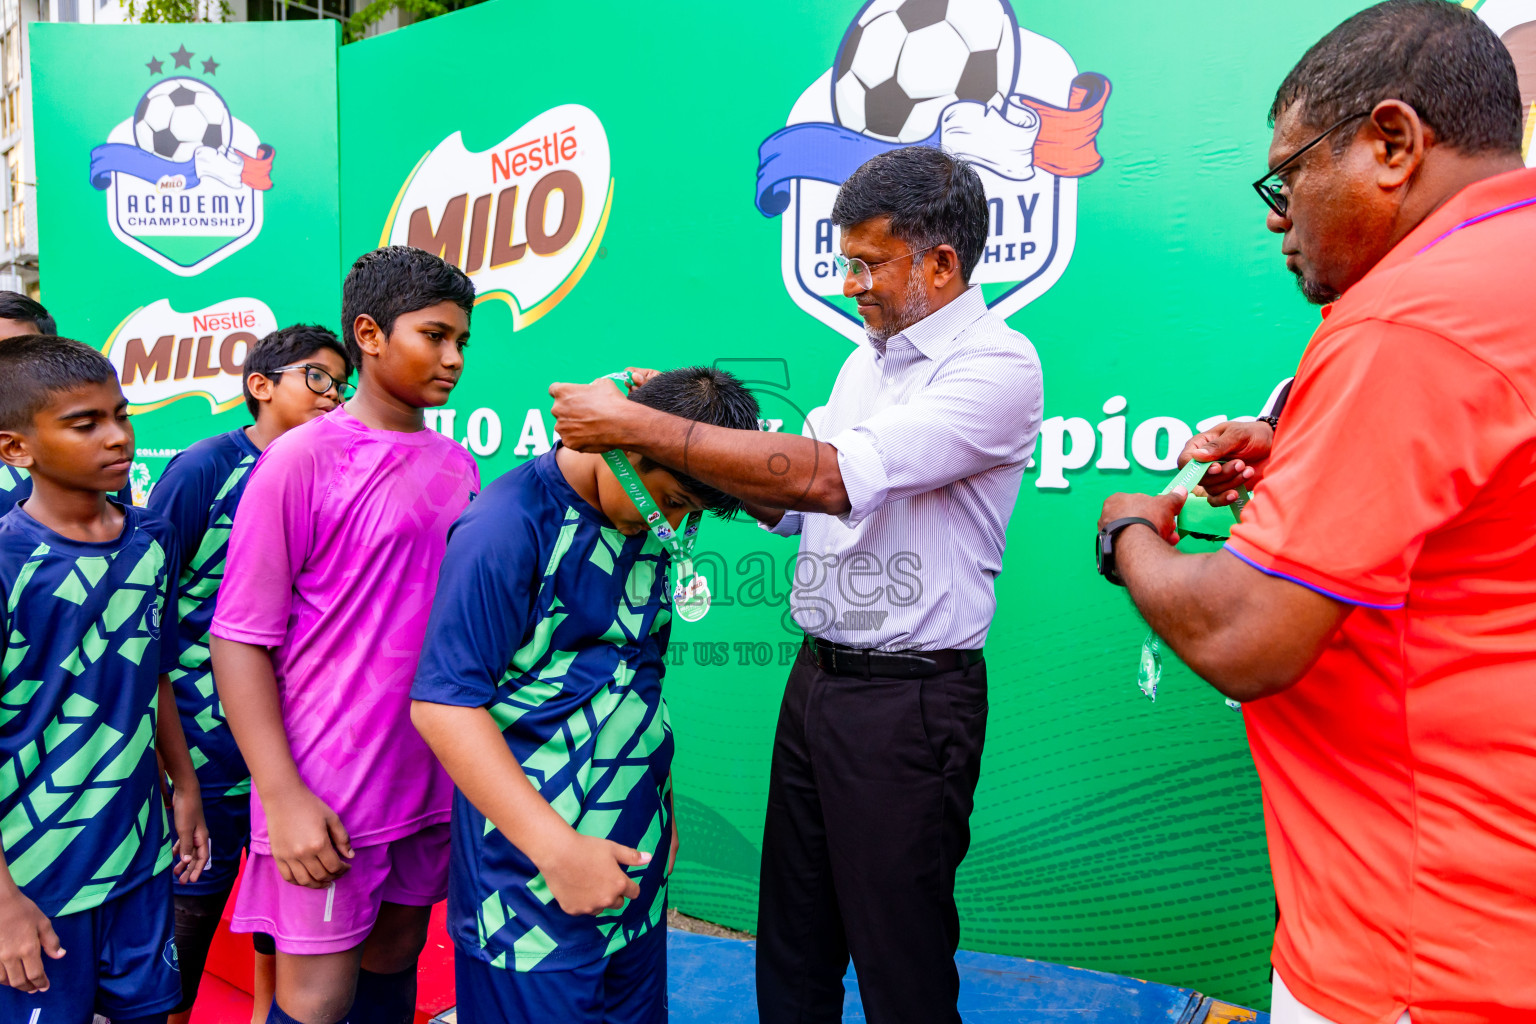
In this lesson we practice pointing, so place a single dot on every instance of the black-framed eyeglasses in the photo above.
(864, 273)
(1273, 191)
(318, 380)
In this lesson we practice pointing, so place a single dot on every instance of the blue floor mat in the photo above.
(710, 981)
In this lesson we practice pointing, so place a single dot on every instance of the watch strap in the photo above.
(1106, 547)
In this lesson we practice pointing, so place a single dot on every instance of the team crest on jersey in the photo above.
(152, 618)
(1514, 22)
(962, 75)
(185, 180)
(171, 956)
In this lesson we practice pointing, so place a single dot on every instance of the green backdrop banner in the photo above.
(630, 187)
(190, 205)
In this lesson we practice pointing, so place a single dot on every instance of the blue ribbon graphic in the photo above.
(824, 152)
(126, 159)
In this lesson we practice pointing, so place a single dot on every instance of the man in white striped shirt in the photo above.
(902, 513)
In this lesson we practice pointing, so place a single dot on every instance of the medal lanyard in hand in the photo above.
(690, 597)
(1149, 671)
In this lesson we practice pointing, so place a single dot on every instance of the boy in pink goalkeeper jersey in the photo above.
(331, 570)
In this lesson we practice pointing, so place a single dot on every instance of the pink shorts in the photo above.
(412, 871)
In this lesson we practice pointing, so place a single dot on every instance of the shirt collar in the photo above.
(547, 468)
(1478, 198)
(244, 443)
(935, 334)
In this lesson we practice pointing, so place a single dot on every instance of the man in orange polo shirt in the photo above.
(1376, 606)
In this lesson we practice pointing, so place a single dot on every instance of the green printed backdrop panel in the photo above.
(1109, 832)
(218, 216)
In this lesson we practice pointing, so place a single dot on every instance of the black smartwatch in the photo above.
(1105, 549)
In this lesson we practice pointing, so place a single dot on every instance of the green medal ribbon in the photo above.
(1198, 518)
(690, 597)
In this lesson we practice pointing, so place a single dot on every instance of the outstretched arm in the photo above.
(1246, 633)
(977, 412)
(781, 471)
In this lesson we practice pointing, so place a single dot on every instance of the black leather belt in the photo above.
(862, 663)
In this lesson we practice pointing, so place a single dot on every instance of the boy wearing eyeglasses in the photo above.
(291, 376)
(331, 570)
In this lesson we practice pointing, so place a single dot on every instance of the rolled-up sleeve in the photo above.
(981, 409)
(789, 524)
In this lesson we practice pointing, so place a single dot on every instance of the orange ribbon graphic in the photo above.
(257, 172)
(1067, 144)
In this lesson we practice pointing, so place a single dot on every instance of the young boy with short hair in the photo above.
(290, 377)
(89, 590)
(540, 690)
(21, 315)
(327, 585)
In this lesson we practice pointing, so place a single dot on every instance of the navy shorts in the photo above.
(629, 987)
(119, 961)
(229, 833)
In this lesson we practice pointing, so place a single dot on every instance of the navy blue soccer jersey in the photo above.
(199, 492)
(557, 624)
(85, 634)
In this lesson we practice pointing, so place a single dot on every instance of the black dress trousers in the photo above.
(869, 804)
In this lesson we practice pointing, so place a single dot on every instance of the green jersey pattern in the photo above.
(15, 485)
(557, 624)
(81, 816)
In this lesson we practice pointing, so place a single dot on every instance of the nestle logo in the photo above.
(533, 155)
(228, 321)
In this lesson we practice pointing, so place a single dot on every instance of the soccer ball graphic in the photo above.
(178, 116)
(903, 61)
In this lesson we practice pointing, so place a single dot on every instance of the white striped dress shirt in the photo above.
(933, 429)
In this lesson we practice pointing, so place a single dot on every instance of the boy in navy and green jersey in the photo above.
(550, 625)
(89, 610)
(290, 377)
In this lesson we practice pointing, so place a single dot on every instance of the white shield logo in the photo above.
(957, 74)
(185, 180)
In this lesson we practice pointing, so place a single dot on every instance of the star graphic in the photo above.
(183, 57)
(154, 65)
(210, 66)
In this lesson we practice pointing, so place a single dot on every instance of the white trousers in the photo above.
(1284, 1008)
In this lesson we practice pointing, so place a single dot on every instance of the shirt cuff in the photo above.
(245, 636)
(864, 477)
(1319, 583)
(454, 695)
(789, 524)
